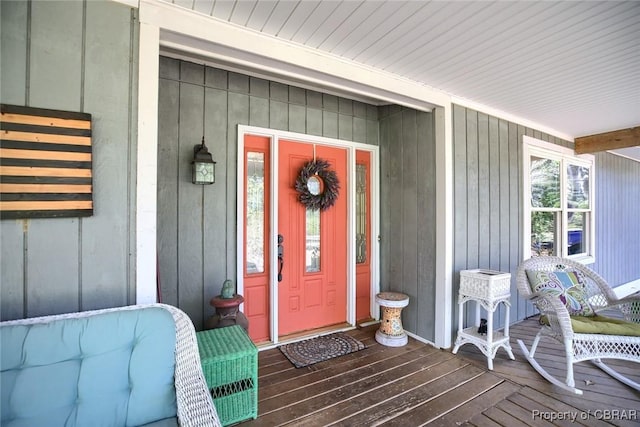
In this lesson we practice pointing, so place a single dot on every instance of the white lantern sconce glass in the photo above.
(203, 168)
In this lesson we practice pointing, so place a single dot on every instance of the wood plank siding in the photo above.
(196, 224)
(408, 210)
(82, 57)
(487, 177)
(73, 56)
(418, 384)
(617, 218)
(195, 260)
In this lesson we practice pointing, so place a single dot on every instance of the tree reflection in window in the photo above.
(577, 187)
(545, 183)
(312, 240)
(255, 213)
(560, 205)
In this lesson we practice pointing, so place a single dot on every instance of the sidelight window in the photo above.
(255, 213)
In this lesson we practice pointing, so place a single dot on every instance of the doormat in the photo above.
(314, 350)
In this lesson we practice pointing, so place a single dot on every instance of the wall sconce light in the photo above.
(203, 168)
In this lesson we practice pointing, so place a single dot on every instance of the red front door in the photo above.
(312, 292)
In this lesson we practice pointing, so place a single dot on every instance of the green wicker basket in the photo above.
(230, 365)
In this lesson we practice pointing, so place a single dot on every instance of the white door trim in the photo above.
(166, 26)
(351, 147)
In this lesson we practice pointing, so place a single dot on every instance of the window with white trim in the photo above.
(559, 212)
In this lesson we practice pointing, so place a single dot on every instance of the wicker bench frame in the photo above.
(577, 346)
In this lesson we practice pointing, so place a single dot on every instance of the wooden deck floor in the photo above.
(418, 385)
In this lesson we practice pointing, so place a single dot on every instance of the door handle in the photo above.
(280, 256)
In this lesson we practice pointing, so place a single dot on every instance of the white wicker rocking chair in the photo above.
(579, 346)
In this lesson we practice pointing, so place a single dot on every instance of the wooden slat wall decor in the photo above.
(45, 163)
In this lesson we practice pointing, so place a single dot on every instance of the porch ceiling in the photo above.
(573, 67)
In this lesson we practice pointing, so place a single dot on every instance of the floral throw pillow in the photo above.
(566, 285)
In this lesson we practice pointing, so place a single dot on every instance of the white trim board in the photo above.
(194, 34)
(131, 3)
(631, 153)
(533, 146)
(275, 136)
(444, 226)
(188, 31)
(510, 117)
(147, 168)
(627, 289)
(422, 340)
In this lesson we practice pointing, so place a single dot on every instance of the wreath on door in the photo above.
(317, 185)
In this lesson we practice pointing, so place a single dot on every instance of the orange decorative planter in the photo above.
(227, 313)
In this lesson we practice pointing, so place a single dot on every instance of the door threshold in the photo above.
(307, 334)
(366, 322)
(312, 333)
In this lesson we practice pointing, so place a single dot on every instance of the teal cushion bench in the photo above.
(128, 366)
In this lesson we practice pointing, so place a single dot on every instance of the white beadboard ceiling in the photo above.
(571, 66)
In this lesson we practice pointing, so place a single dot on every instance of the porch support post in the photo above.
(147, 163)
(444, 225)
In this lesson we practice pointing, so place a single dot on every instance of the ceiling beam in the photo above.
(608, 141)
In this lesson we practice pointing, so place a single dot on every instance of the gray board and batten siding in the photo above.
(82, 56)
(197, 224)
(407, 213)
(74, 56)
(487, 180)
(487, 200)
(617, 218)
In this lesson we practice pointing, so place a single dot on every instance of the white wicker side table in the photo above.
(487, 288)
